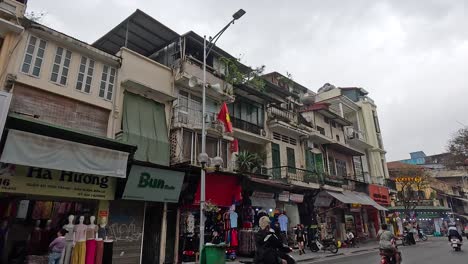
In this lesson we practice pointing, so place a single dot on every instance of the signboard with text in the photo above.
(40, 181)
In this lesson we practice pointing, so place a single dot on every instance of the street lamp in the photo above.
(207, 47)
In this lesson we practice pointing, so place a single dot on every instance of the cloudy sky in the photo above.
(412, 56)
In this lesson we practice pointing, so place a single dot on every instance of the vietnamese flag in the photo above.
(223, 116)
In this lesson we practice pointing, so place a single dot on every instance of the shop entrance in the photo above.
(152, 233)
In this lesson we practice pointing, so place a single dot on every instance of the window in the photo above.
(341, 168)
(61, 66)
(333, 123)
(376, 122)
(85, 75)
(321, 130)
(326, 120)
(284, 138)
(247, 111)
(358, 170)
(107, 82)
(337, 138)
(187, 145)
(331, 163)
(291, 160)
(34, 56)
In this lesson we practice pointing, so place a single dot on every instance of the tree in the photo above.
(412, 183)
(458, 148)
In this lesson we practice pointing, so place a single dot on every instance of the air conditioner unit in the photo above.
(310, 144)
(350, 133)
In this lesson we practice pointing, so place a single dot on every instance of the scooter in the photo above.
(390, 256)
(456, 244)
(422, 236)
(326, 244)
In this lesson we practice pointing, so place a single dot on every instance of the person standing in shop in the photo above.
(300, 238)
(56, 247)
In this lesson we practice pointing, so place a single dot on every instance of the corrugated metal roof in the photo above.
(145, 35)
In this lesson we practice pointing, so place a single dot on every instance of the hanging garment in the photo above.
(79, 253)
(99, 251)
(234, 240)
(46, 211)
(107, 253)
(37, 211)
(34, 246)
(67, 252)
(90, 251)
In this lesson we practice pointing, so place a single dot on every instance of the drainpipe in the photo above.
(177, 232)
(162, 245)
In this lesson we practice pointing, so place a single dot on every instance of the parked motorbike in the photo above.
(325, 244)
(390, 256)
(422, 236)
(456, 244)
(406, 239)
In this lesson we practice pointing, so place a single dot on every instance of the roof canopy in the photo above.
(138, 32)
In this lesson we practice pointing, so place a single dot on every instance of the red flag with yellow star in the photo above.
(223, 116)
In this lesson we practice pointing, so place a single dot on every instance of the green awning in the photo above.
(144, 125)
(36, 126)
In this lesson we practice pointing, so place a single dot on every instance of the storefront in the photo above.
(53, 178)
(143, 223)
(223, 211)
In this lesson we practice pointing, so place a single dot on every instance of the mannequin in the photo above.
(108, 243)
(79, 248)
(103, 230)
(35, 240)
(91, 235)
(69, 238)
(101, 235)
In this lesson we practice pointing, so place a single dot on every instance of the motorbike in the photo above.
(456, 244)
(422, 236)
(390, 256)
(406, 240)
(277, 248)
(325, 244)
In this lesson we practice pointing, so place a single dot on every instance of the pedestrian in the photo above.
(466, 231)
(56, 247)
(300, 238)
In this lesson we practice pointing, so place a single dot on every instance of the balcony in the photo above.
(246, 126)
(191, 67)
(286, 122)
(293, 174)
(192, 119)
(356, 138)
(334, 181)
(275, 112)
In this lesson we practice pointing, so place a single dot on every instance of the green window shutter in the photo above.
(144, 124)
(291, 160)
(276, 160)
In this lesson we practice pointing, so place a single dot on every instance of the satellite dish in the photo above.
(193, 81)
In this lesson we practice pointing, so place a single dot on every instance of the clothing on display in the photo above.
(107, 253)
(233, 219)
(99, 252)
(90, 251)
(283, 221)
(79, 253)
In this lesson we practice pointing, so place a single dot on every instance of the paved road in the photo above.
(433, 252)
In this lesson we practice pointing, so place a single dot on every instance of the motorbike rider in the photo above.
(266, 251)
(386, 244)
(453, 232)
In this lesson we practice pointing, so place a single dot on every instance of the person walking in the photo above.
(56, 247)
(300, 238)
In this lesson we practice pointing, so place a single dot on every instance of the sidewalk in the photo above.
(364, 247)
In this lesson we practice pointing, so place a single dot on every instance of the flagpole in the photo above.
(212, 42)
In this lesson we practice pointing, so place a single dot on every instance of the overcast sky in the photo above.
(411, 56)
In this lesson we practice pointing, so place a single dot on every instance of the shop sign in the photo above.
(408, 179)
(5, 99)
(263, 195)
(103, 213)
(323, 199)
(379, 194)
(41, 181)
(283, 197)
(152, 184)
(297, 198)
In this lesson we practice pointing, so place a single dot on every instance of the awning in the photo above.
(263, 202)
(153, 184)
(220, 189)
(345, 149)
(34, 150)
(422, 208)
(356, 198)
(461, 199)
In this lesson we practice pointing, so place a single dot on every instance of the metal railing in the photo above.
(333, 181)
(293, 173)
(282, 114)
(192, 117)
(246, 126)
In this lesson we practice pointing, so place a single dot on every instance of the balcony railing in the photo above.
(192, 117)
(333, 181)
(282, 114)
(246, 126)
(294, 174)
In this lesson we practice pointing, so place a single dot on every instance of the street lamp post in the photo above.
(207, 47)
